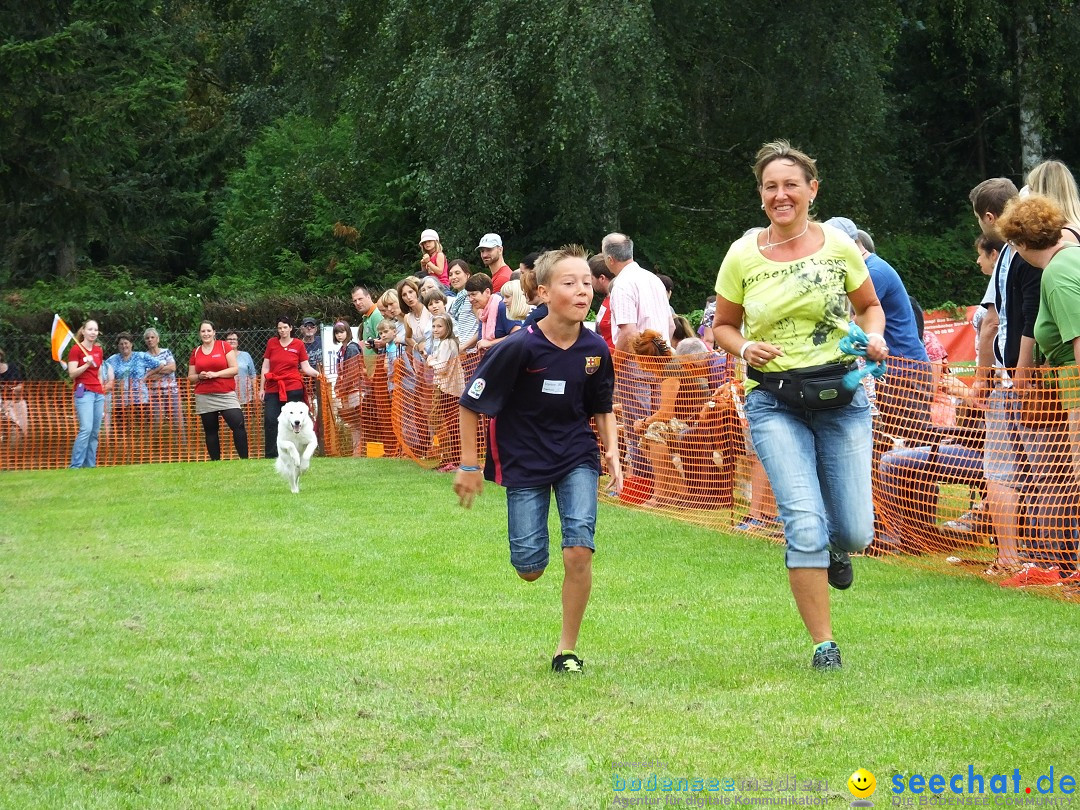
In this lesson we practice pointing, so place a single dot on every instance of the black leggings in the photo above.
(234, 418)
(271, 412)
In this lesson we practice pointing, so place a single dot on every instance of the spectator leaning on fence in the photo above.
(449, 383)
(466, 324)
(369, 330)
(489, 309)
(351, 382)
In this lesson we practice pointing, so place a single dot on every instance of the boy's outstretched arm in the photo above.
(609, 435)
(468, 483)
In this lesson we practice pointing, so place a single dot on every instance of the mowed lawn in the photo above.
(193, 635)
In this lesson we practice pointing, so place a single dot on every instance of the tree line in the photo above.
(242, 148)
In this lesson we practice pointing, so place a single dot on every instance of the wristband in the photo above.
(872, 335)
(742, 351)
(469, 468)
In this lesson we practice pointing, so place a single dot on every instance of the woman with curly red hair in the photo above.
(1036, 227)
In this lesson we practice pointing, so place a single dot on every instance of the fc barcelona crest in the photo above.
(592, 365)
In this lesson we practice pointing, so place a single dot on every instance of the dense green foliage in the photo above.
(240, 147)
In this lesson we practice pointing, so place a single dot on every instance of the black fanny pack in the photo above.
(817, 388)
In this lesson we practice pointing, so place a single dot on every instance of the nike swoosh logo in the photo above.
(534, 370)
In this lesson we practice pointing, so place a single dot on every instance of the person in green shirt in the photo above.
(1036, 227)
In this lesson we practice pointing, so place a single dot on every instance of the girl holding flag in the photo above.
(84, 364)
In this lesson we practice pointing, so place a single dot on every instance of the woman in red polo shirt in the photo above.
(86, 364)
(284, 361)
(213, 369)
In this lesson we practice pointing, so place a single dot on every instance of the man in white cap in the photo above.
(491, 254)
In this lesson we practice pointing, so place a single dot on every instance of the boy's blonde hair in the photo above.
(547, 261)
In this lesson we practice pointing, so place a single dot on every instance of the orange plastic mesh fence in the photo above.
(38, 429)
(396, 407)
(988, 485)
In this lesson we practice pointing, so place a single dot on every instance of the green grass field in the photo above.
(193, 635)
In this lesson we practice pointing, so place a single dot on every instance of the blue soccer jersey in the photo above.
(540, 399)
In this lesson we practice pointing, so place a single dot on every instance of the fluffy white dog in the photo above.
(296, 442)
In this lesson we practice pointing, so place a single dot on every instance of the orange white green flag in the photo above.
(61, 337)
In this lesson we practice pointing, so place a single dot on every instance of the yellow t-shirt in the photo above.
(800, 305)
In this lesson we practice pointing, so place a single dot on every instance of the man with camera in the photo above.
(369, 331)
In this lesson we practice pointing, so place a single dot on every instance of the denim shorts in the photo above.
(1010, 445)
(527, 517)
(818, 463)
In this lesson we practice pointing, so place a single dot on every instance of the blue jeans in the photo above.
(818, 463)
(527, 516)
(909, 484)
(89, 408)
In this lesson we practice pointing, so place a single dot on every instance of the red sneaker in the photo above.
(1033, 575)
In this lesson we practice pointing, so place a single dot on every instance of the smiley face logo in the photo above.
(862, 784)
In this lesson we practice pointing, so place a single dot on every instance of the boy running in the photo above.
(540, 387)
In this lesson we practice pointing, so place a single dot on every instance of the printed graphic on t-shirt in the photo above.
(814, 304)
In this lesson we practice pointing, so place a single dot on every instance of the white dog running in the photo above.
(296, 442)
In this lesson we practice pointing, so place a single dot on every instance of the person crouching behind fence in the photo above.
(540, 387)
(213, 369)
(666, 433)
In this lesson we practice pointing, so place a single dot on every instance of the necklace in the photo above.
(769, 245)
